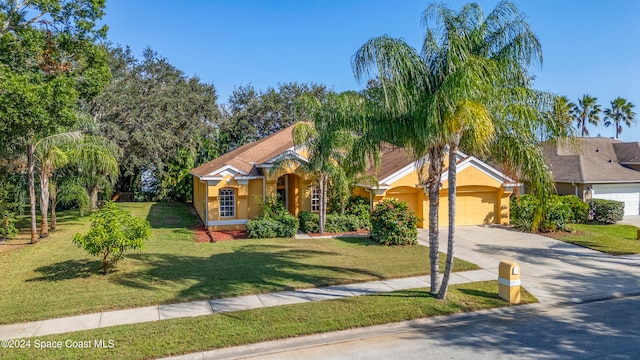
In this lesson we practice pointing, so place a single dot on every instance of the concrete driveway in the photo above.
(550, 269)
(631, 220)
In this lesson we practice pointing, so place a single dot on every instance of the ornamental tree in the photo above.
(113, 231)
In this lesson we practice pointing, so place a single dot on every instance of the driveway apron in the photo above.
(550, 269)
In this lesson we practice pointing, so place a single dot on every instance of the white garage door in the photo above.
(627, 193)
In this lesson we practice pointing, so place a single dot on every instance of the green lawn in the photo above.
(610, 239)
(54, 278)
(186, 335)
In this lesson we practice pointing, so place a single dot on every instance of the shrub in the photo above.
(522, 211)
(281, 226)
(605, 211)
(112, 232)
(262, 228)
(557, 214)
(288, 225)
(335, 223)
(579, 208)
(393, 223)
(359, 207)
(308, 221)
(7, 227)
(272, 207)
(342, 223)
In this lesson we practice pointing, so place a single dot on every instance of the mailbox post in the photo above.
(509, 281)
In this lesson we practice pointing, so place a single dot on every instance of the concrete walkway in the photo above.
(208, 307)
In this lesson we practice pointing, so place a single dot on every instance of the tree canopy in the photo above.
(154, 112)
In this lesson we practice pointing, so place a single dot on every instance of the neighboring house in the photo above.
(227, 191)
(599, 168)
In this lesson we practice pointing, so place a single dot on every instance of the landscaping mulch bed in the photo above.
(559, 235)
(200, 233)
(215, 236)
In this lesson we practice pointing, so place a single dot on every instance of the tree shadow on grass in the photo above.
(246, 269)
(358, 240)
(68, 270)
(171, 214)
(479, 293)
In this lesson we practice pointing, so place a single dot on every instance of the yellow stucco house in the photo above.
(227, 190)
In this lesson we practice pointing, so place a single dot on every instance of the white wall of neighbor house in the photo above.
(627, 193)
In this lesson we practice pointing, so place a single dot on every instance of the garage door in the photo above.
(476, 208)
(629, 194)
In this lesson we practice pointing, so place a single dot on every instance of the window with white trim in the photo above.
(315, 199)
(227, 201)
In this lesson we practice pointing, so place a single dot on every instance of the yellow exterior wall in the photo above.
(199, 197)
(250, 195)
(480, 198)
(472, 176)
(255, 198)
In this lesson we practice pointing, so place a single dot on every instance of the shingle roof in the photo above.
(592, 160)
(247, 156)
(392, 159)
(627, 152)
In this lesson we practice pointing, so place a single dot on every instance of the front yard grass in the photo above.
(187, 335)
(611, 239)
(54, 278)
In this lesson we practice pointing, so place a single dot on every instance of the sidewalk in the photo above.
(208, 307)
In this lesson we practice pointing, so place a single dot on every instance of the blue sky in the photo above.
(589, 47)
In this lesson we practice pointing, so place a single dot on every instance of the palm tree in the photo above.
(558, 122)
(587, 111)
(327, 146)
(96, 161)
(469, 81)
(50, 155)
(620, 112)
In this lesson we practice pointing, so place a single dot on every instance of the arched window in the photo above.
(227, 200)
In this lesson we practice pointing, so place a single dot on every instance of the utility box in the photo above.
(509, 281)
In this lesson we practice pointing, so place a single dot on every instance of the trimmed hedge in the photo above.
(605, 211)
(558, 215)
(393, 223)
(335, 223)
(359, 207)
(308, 221)
(284, 226)
(560, 211)
(579, 208)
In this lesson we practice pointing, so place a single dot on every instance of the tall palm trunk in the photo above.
(32, 190)
(323, 203)
(93, 197)
(44, 199)
(433, 185)
(453, 148)
(54, 202)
